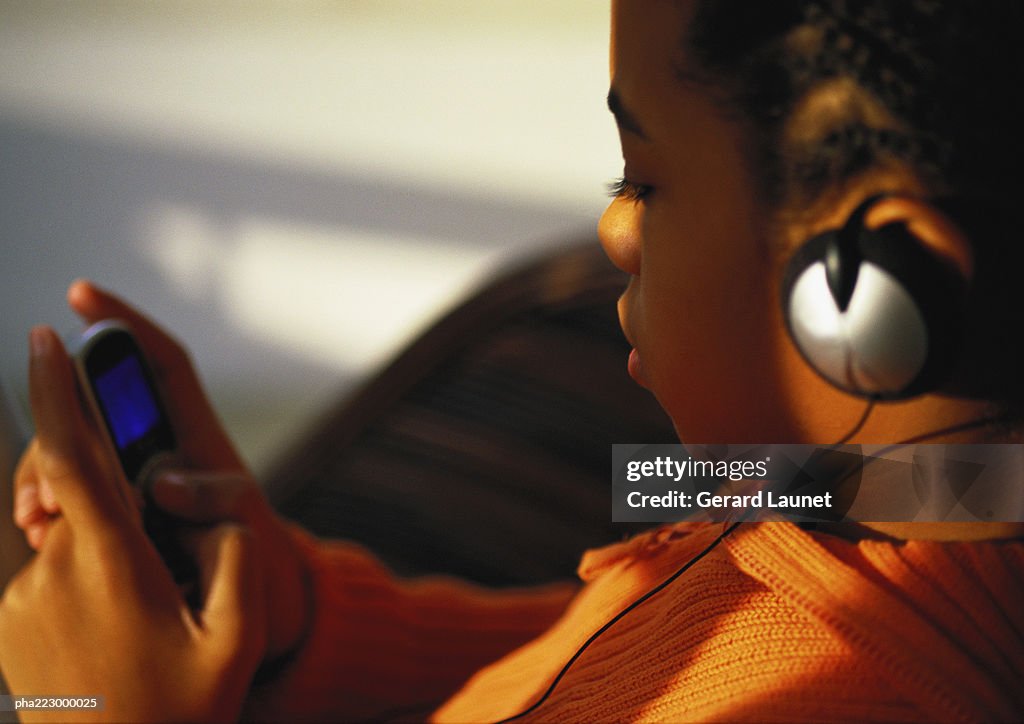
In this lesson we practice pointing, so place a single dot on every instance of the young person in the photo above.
(747, 129)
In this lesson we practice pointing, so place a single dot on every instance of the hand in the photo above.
(95, 612)
(223, 492)
(205, 498)
(202, 441)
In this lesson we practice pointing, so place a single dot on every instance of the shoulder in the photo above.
(786, 619)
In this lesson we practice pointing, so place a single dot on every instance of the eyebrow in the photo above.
(623, 116)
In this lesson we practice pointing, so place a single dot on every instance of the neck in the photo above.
(930, 419)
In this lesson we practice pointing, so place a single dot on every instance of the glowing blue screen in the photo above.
(126, 399)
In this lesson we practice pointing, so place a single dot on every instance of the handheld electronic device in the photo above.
(118, 385)
(121, 391)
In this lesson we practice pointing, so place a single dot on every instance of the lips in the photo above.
(623, 310)
(634, 365)
(636, 369)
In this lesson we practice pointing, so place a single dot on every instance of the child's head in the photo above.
(746, 128)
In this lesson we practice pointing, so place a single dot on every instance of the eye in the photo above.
(623, 188)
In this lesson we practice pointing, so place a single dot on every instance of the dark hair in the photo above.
(827, 90)
(832, 88)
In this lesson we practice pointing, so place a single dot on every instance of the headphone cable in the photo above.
(618, 617)
(978, 422)
(664, 584)
(860, 423)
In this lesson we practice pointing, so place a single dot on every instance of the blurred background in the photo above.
(297, 188)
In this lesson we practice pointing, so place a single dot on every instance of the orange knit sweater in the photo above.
(775, 624)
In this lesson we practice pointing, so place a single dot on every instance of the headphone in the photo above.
(872, 311)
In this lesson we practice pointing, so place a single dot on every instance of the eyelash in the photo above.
(623, 188)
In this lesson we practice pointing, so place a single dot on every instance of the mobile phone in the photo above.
(119, 388)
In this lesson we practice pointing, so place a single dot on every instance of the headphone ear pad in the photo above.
(894, 336)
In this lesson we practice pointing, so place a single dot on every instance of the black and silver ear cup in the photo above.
(873, 313)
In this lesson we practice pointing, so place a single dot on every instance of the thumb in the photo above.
(203, 497)
(233, 616)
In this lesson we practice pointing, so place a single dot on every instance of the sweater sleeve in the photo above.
(380, 646)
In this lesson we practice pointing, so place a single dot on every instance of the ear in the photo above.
(932, 227)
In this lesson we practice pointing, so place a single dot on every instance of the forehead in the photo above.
(647, 37)
(647, 54)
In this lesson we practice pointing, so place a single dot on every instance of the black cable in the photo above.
(979, 422)
(958, 427)
(618, 617)
(661, 586)
(860, 423)
(951, 429)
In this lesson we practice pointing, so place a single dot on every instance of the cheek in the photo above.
(710, 328)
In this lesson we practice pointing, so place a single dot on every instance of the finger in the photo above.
(94, 304)
(30, 492)
(233, 613)
(47, 498)
(27, 507)
(80, 487)
(35, 534)
(203, 497)
(200, 434)
(29, 514)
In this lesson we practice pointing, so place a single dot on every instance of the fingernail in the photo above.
(169, 477)
(26, 502)
(79, 287)
(171, 489)
(39, 341)
(46, 497)
(35, 535)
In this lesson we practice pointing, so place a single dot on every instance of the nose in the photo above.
(619, 232)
